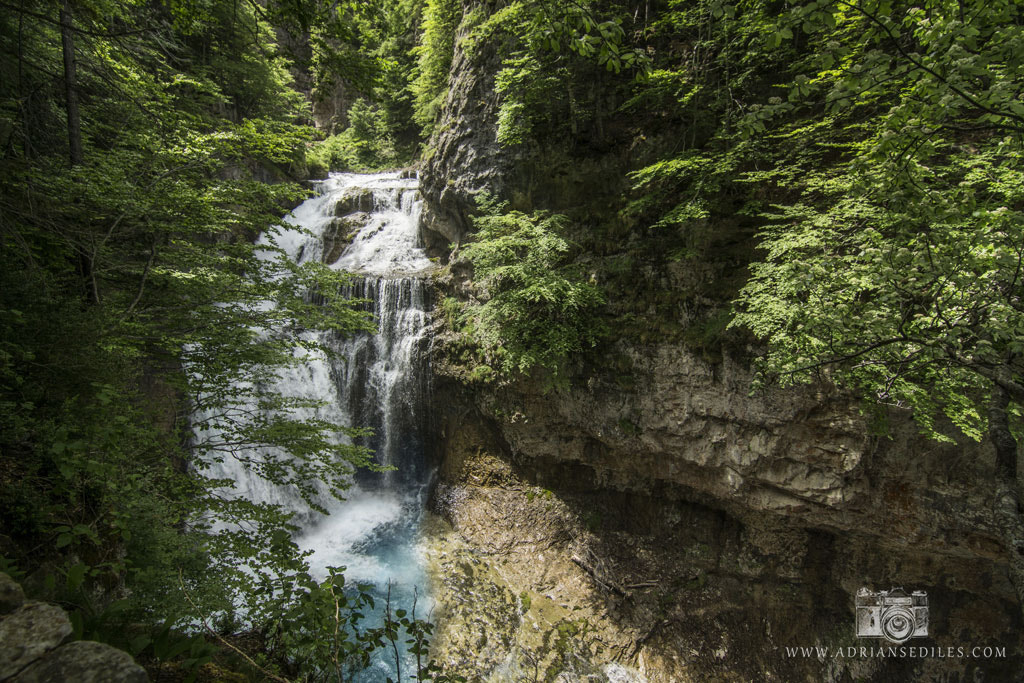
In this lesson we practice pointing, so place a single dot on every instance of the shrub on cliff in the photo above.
(537, 308)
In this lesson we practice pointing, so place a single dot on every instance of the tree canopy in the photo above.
(145, 146)
(854, 169)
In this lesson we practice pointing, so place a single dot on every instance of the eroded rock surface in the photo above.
(538, 581)
(29, 632)
(34, 647)
(84, 662)
(339, 233)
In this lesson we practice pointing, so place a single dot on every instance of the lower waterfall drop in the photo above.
(367, 225)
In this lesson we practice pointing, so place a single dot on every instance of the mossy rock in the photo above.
(353, 201)
(339, 233)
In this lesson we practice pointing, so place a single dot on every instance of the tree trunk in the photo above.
(23, 96)
(67, 38)
(71, 85)
(1006, 506)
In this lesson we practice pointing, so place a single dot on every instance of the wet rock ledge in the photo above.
(34, 646)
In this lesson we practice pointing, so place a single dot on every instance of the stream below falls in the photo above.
(367, 225)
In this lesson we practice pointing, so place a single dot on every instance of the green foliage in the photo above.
(880, 168)
(525, 601)
(434, 59)
(325, 631)
(537, 308)
(140, 326)
(534, 39)
(714, 79)
(333, 41)
(374, 126)
(366, 145)
(898, 268)
(525, 87)
(546, 46)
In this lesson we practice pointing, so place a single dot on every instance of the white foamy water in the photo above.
(389, 209)
(377, 381)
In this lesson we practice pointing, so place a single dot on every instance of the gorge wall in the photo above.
(652, 518)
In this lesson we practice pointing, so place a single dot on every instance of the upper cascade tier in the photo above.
(366, 224)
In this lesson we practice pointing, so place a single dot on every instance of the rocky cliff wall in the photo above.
(464, 139)
(657, 517)
(703, 531)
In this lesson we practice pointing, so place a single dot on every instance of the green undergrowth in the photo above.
(535, 307)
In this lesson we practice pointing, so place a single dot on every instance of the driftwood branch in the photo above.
(206, 625)
(605, 583)
(658, 625)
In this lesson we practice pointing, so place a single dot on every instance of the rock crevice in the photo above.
(732, 525)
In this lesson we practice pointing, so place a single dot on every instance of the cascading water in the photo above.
(365, 224)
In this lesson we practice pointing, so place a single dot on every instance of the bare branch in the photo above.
(916, 62)
(206, 625)
(78, 29)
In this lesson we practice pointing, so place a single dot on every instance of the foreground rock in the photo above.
(538, 582)
(84, 662)
(28, 633)
(34, 647)
(11, 595)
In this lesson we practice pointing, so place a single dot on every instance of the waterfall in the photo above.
(367, 225)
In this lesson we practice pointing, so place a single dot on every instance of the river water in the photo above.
(367, 225)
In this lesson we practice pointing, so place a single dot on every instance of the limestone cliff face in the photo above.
(806, 455)
(465, 138)
(464, 157)
(657, 517)
(701, 531)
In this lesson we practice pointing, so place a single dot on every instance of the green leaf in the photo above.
(75, 576)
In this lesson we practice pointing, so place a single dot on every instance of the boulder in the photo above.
(28, 633)
(339, 233)
(11, 595)
(357, 199)
(84, 661)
